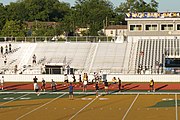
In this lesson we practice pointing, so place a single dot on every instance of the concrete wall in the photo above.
(124, 78)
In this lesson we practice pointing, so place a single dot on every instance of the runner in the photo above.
(97, 89)
(71, 92)
(43, 87)
(119, 84)
(53, 85)
(106, 87)
(35, 79)
(85, 85)
(36, 89)
(151, 85)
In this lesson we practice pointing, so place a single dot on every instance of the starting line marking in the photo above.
(8, 98)
(12, 98)
(103, 98)
(167, 99)
(25, 98)
(86, 98)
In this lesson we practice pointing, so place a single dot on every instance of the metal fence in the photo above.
(59, 39)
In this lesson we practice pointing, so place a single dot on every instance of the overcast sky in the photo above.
(164, 5)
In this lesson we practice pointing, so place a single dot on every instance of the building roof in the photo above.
(30, 24)
(116, 27)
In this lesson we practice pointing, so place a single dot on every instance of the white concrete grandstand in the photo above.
(86, 57)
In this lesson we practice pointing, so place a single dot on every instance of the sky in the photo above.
(164, 5)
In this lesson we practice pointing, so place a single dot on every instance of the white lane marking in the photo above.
(8, 98)
(25, 98)
(167, 99)
(103, 98)
(86, 98)
(176, 106)
(40, 107)
(14, 99)
(83, 108)
(130, 107)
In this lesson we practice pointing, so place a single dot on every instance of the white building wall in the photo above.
(136, 38)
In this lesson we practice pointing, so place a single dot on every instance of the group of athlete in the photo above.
(37, 89)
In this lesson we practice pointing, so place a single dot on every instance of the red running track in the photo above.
(79, 86)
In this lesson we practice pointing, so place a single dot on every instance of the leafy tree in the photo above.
(42, 10)
(90, 14)
(13, 28)
(135, 6)
(2, 16)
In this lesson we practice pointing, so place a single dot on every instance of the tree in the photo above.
(13, 28)
(2, 16)
(42, 10)
(135, 6)
(90, 14)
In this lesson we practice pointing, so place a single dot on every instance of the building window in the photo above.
(151, 27)
(167, 27)
(111, 32)
(135, 27)
(178, 26)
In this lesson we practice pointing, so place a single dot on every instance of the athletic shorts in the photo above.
(105, 87)
(36, 90)
(70, 93)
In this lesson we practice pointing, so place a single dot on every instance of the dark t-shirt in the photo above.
(97, 87)
(106, 84)
(35, 80)
(70, 88)
(43, 82)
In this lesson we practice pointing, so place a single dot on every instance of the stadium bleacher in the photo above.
(142, 57)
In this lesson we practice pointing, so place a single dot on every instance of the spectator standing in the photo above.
(119, 84)
(66, 78)
(34, 59)
(74, 78)
(80, 78)
(71, 91)
(15, 69)
(100, 75)
(6, 47)
(5, 60)
(1, 49)
(10, 47)
(2, 83)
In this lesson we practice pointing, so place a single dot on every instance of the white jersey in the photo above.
(2, 80)
(36, 86)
